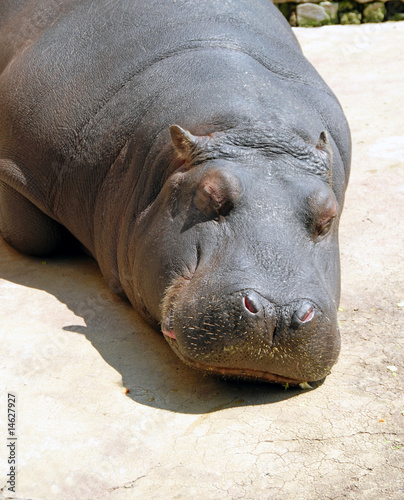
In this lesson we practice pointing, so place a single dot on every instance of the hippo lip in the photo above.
(170, 334)
(171, 296)
(243, 373)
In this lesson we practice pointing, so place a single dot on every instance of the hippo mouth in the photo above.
(236, 373)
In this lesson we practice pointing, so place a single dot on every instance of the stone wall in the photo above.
(308, 13)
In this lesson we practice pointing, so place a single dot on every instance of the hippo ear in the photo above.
(323, 145)
(217, 193)
(324, 149)
(185, 143)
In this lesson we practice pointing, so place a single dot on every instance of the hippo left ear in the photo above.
(185, 143)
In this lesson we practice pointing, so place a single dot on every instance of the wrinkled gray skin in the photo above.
(224, 229)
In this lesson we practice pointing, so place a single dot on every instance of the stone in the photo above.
(293, 19)
(395, 10)
(346, 6)
(374, 12)
(331, 9)
(310, 15)
(350, 17)
(368, 1)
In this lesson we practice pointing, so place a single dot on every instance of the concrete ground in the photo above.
(69, 348)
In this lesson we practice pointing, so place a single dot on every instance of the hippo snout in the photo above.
(244, 334)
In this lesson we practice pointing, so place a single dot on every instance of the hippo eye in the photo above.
(322, 212)
(325, 228)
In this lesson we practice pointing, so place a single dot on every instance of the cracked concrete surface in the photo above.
(70, 347)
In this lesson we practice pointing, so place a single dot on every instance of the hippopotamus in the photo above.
(194, 152)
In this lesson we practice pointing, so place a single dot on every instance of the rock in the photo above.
(309, 15)
(374, 12)
(395, 10)
(350, 17)
(293, 19)
(346, 6)
(331, 9)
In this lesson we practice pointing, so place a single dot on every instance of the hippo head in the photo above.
(237, 258)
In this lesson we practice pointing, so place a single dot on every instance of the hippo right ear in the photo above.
(185, 143)
(324, 146)
(324, 149)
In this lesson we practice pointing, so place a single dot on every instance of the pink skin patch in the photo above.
(169, 334)
(250, 306)
(308, 316)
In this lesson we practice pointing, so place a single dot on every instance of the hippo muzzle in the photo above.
(245, 335)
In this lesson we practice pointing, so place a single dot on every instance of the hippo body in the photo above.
(222, 229)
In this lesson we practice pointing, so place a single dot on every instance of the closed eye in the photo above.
(324, 228)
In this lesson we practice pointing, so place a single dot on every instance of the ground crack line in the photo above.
(333, 438)
(128, 485)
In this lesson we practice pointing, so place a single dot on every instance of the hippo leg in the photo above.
(26, 228)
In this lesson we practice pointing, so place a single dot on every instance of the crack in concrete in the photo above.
(128, 485)
(332, 438)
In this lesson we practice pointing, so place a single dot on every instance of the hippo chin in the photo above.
(203, 164)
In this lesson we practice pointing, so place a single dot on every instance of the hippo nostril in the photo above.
(303, 314)
(249, 305)
(308, 316)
